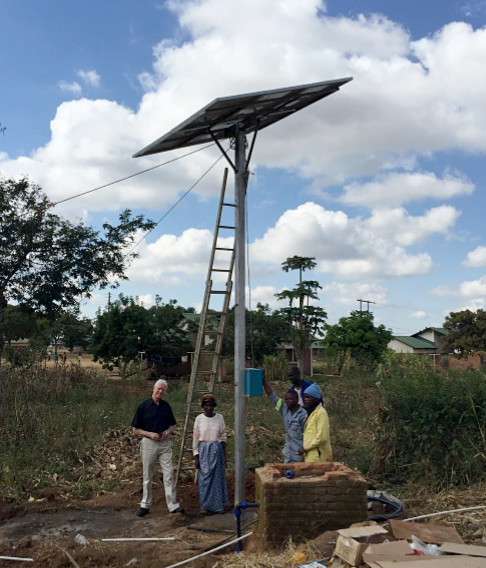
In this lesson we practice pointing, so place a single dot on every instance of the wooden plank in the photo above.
(437, 534)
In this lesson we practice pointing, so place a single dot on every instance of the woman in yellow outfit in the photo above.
(317, 437)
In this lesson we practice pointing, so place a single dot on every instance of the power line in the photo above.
(51, 205)
(174, 206)
(131, 175)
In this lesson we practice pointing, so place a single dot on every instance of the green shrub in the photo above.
(275, 367)
(431, 425)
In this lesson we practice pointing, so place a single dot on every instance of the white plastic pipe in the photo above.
(16, 558)
(210, 551)
(446, 513)
(137, 539)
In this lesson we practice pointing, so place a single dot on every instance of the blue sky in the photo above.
(383, 182)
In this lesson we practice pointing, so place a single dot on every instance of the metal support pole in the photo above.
(239, 363)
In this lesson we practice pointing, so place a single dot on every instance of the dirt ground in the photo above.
(45, 530)
(86, 361)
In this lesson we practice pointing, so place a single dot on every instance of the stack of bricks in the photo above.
(319, 497)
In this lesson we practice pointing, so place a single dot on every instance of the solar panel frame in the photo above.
(248, 112)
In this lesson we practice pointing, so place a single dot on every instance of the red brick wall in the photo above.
(322, 496)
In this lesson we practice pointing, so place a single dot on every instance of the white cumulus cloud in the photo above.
(344, 246)
(473, 288)
(174, 260)
(476, 257)
(406, 230)
(72, 87)
(348, 293)
(395, 189)
(90, 77)
(419, 314)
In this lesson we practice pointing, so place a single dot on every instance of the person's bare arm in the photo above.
(146, 434)
(167, 433)
(266, 387)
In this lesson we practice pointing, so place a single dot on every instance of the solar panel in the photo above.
(221, 118)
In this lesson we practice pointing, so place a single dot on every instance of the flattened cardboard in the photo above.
(401, 560)
(395, 551)
(387, 551)
(468, 549)
(358, 532)
(435, 562)
(391, 549)
(436, 534)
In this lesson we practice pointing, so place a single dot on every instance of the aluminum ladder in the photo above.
(206, 363)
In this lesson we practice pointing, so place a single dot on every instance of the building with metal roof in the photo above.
(427, 341)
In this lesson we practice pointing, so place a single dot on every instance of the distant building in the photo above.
(18, 343)
(315, 349)
(426, 342)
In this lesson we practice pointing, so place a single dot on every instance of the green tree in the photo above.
(48, 263)
(70, 329)
(357, 335)
(265, 332)
(170, 334)
(467, 332)
(306, 321)
(126, 328)
(19, 323)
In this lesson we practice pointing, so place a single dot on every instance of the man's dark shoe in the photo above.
(178, 510)
(142, 512)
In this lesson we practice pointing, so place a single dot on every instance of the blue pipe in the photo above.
(237, 511)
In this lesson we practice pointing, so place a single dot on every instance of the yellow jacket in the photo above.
(317, 437)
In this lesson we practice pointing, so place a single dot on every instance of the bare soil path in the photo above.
(45, 530)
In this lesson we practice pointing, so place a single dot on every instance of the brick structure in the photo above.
(320, 497)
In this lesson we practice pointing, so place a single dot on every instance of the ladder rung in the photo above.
(218, 292)
(220, 270)
(224, 248)
(205, 373)
(212, 332)
(187, 467)
(229, 204)
(226, 227)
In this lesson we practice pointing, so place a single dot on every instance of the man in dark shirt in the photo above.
(154, 421)
(298, 384)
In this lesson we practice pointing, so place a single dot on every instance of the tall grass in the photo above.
(352, 401)
(49, 420)
(407, 422)
(432, 425)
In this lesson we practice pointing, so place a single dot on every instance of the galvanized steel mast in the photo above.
(241, 177)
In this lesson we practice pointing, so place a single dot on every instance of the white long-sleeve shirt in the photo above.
(208, 429)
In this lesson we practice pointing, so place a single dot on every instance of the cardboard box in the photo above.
(352, 542)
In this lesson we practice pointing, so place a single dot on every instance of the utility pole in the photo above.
(367, 302)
